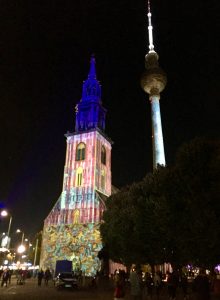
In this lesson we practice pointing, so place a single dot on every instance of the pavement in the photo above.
(104, 291)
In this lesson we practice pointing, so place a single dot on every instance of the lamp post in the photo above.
(35, 253)
(4, 213)
(22, 238)
(21, 248)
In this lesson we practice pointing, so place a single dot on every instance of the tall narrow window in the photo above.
(103, 180)
(79, 176)
(80, 151)
(103, 155)
(76, 217)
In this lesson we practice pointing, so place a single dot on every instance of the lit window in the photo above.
(80, 151)
(79, 175)
(76, 217)
(103, 155)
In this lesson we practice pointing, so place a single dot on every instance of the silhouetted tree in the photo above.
(172, 215)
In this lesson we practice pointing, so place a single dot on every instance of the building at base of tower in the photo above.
(71, 230)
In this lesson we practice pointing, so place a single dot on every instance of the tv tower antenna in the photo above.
(150, 28)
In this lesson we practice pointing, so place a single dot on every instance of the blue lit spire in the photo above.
(92, 71)
(90, 113)
(91, 86)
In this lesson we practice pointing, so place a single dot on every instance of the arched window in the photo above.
(103, 155)
(80, 151)
(76, 217)
(79, 176)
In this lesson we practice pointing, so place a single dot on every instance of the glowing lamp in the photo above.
(21, 249)
(4, 213)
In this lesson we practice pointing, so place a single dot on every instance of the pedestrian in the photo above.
(172, 283)
(157, 283)
(40, 276)
(24, 276)
(10, 272)
(202, 286)
(184, 285)
(119, 291)
(47, 276)
(5, 276)
(136, 284)
(149, 284)
(1, 272)
(19, 276)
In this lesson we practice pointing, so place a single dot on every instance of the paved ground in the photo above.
(30, 291)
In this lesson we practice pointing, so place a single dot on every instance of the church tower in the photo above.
(71, 230)
(153, 82)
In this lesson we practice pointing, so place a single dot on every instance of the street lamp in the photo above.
(21, 249)
(35, 253)
(4, 213)
(22, 238)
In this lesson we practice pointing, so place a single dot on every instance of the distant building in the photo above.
(71, 230)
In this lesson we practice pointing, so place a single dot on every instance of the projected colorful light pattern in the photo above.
(79, 243)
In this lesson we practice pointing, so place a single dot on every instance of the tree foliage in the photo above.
(172, 215)
(198, 169)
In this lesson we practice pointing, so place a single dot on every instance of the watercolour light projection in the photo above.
(71, 230)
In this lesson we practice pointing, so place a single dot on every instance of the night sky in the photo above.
(45, 49)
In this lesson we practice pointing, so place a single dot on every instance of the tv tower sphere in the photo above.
(154, 79)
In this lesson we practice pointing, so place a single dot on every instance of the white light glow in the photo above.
(4, 213)
(21, 249)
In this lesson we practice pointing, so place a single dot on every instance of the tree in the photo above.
(172, 215)
(189, 204)
(197, 168)
(131, 230)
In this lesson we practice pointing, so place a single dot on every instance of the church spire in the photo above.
(91, 86)
(92, 71)
(90, 114)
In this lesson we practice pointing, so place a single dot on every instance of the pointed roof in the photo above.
(91, 86)
(90, 114)
(92, 71)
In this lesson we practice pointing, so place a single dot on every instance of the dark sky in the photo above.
(45, 49)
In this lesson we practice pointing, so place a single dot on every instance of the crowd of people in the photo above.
(22, 274)
(143, 286)
(6, 274)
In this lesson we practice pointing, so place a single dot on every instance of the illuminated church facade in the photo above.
(71, 230)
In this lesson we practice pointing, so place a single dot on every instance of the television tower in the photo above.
(153, 81)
